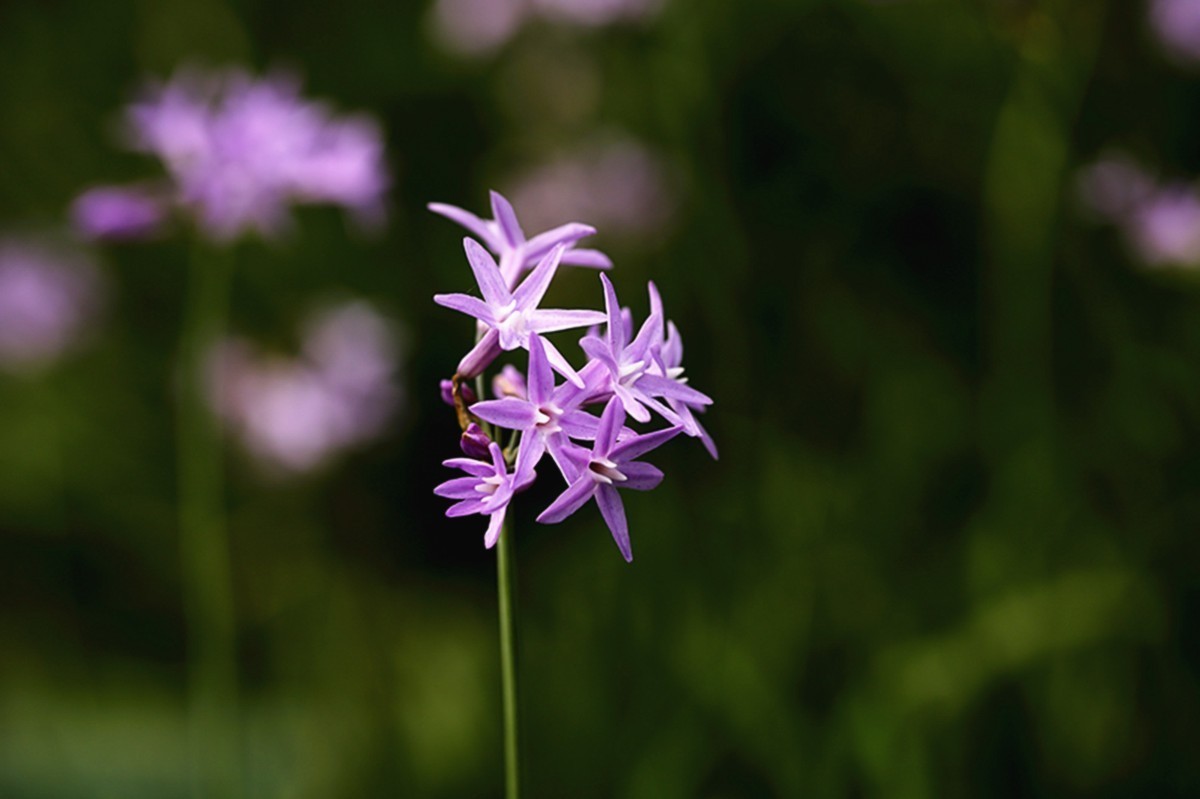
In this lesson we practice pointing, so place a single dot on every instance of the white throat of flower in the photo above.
(605, 471)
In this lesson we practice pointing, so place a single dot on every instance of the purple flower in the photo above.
(1165, 229)
(240, 151)
(509, 382)
(504, 237)
(47, 298)
(293, 414)
(546, 417)
(1160, 222)
(609, 466)
(620, 186)
(1177, 24)
(119, 212)
(476, 27)
(629, 364)
(487, 490)
(509, 317)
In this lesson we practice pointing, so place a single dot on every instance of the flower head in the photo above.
(609, 466)
(47, 297)
(293, 414)
(509, 317)
(239, 152)
(503, 236)
(487, 490)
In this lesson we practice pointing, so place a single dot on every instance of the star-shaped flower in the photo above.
(511, 316)
(609, 466)
(668, 363)
(503, 236)
(630, 363)
(487, 490)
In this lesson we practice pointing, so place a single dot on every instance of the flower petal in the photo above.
(510, 413)
(487, 274)
(633, 448)
(561, 365)
(470, 466)
(612, 308)
(650, 334)
(632, 405)
(610, 425)
(579, 424)
(613, 511)
(598, 349)
(569, 501)
(657, 386)
(551, 320)
(592, 259)
(466, 508)
(570, 459)
(567, 234)
(640, 476)
(529, 454)
(459, 488)
(478, 226)
(541, 377)
(481, 355)
(506, 219)
(495, 526)
(533, 287)
(465, 303)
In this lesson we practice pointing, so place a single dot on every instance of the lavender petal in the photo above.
(510, 413)
(613, 511)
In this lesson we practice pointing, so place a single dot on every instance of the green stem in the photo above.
(213, 719)
(508, 670)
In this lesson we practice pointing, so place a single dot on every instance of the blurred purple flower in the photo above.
(477, 27)
(597, 13)
(295, 414)
(240, 151)
(119, 212)
(1160, 223)
(47, 298)
(1176, 23)
(1165, 229)
(480, 27)
(622, 187)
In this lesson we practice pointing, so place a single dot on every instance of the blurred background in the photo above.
(933, 259)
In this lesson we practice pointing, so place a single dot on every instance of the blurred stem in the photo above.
(508, 670)
(213, 719)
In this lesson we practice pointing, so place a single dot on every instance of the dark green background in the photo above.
(950, 548)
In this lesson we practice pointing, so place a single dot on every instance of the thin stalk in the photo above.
(508, 669)
(214, 726)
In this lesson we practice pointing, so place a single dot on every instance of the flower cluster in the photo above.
(630, 374)
(293, 414)
(238, 151)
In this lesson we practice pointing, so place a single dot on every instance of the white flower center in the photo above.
(512, 326)
(605, 471)
(489, 485)
(629, 373)
(546, 417)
